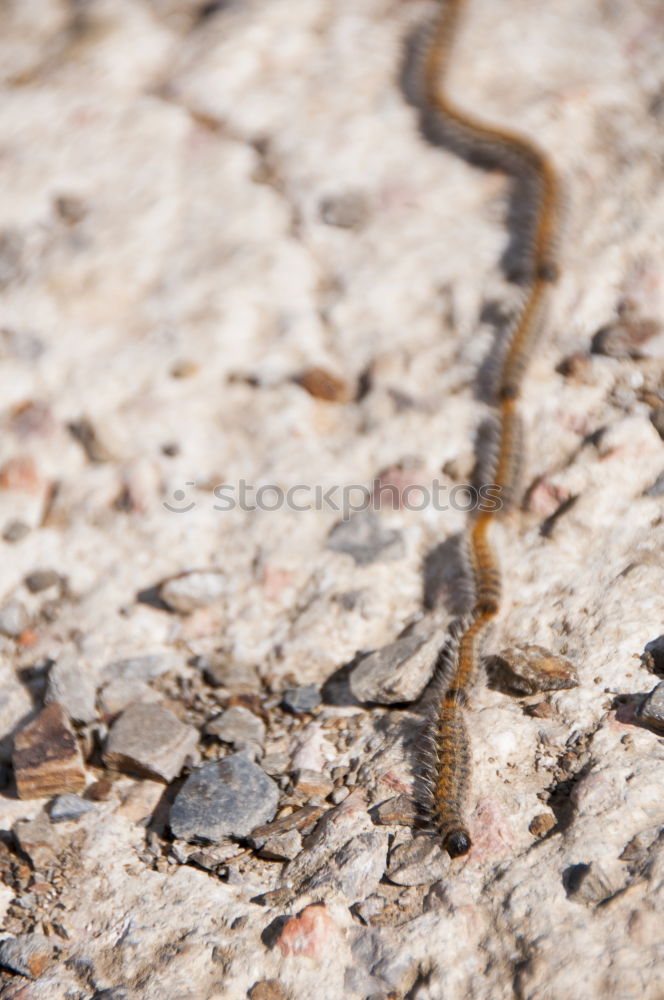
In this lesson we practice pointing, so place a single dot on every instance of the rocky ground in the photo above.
(228, 255)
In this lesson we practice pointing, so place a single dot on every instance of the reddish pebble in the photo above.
(309, 933)
(20, 474)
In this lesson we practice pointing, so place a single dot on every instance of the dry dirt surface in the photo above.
(227, 255)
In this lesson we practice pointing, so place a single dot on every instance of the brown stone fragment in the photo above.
(541, 824)
(529, 668)
(47, 759)
(267, 989)
(323, 385)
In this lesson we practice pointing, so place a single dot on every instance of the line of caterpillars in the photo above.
(449, 765)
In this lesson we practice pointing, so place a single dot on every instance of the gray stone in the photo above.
(588, 884)
(282, 846)
(29, 955)
(398, 672)
(529, 668)
(651, 711)
(300, 700)
(237, 726)
(39, 840)
(364, 537)
(398, 811)
(15, 530)
(348, 210)
(226, 798)
(115, 696)
(150, 741)
(41, 579)
(142, 668)
(70, 684)
(360, 864)
(190, 591)
(13, 619)
(220, 670)
(653, 655)
(657, 488)
(417, 862)
(68, 807)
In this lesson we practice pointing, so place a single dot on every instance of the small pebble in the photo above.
(275, 763)
(85, 433)
(398, 672)
(322, 384)
(47, 759)
(625, 338)
(364, 537)
(14, 531)
(345, 211)
(397, 811)
(42, 579)
(651, 711)
(417, 862)
(220, 670)
(657, 419)
(313, 932)
(237, 726)
(657, 488)
(39, 839)
(301, 700)
(29, 954)
(13, 619)
(541, 824)
(653, 655)
(150, 741)
(529, 668)
(312, 784)
(226, 798)
(588, 884)
(267, 989)
(142, 668)
(68, 807)
(71, 684)
(542, 710)
(339, 794)
(189, 591)
(282, 846)
(369, 908)
(100, 790)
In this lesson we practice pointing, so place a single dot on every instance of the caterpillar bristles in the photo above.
(533, 260)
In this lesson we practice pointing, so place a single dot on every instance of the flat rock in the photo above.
(226, 798)
(150, 741)
(47, 759)
(14, 619)
(29, 954)
(417, 862)
(70, 684)
(141, 668)
(312, 784)
(364, 537)
(651, 711)
(237, 726)
(398, 672)
(282, 846)
(68, 807)
(301, 700)
(221, 670)
(39, 840)
(530, 668)
(190, 591)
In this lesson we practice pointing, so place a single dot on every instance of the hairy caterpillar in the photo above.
(445, 124)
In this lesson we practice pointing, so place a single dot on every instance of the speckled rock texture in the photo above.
(230, 266)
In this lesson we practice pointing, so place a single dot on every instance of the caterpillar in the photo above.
(489, 146)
